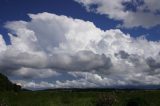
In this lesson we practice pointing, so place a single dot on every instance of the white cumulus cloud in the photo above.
(49, 44)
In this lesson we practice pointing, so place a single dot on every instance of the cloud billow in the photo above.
(49, 44)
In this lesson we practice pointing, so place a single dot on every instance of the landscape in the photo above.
(79, 53)
(13, 95)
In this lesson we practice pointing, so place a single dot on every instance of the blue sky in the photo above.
(80, 43)
(18, 10)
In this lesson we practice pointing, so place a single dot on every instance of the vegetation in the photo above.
(6, 85)
(75, 97)
(71, 98)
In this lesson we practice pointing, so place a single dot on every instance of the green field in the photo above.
(81, 98)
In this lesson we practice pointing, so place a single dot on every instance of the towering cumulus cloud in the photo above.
(50, 45)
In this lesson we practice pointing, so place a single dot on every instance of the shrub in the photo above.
(106, 100)
(136, 102)
(3, 103)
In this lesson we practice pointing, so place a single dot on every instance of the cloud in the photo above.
(49, 45)
(92, 80)
(35, 48)
(152, 5)
(31, 73)
(33, 85)
(122, 54)
(2, 44)
(86, 80)
(141, 12)
(82, 60)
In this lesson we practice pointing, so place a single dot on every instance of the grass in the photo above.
(81, 98)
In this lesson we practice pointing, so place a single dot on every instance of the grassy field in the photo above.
(81, 98)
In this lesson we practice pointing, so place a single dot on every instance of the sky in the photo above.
(80, 43)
